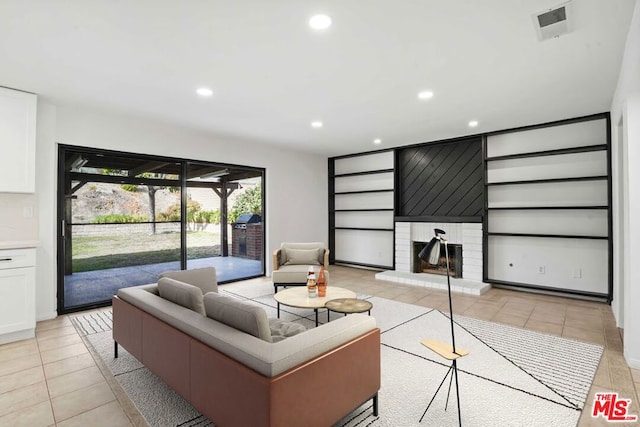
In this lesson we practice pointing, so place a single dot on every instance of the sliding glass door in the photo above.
(217, 196)
(125, 218)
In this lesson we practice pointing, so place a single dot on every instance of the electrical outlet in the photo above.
(577, 273)
(542, 269)
(27, 212)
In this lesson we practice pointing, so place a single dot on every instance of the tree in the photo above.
(248, 202)
(151, 190)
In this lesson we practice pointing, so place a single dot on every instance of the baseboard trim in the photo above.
(17, 336)
(46, 316)
(632, 362)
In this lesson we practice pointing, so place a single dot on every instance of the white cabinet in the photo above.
(17, 294)
(17, 141)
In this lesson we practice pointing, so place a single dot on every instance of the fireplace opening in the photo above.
(455, 260)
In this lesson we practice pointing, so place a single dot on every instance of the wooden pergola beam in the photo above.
(147, 167)
(159, 182)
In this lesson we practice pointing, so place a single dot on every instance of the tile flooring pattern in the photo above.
(55, 380)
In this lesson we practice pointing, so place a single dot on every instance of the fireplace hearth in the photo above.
(455, 260)
(468, 235)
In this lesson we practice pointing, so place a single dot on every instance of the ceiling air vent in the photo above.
(553, 22)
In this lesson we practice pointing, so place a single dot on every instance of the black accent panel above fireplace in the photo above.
(441, 182)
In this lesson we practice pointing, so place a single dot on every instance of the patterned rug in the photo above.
(512, 377)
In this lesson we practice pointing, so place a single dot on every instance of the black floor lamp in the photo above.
(431, 255)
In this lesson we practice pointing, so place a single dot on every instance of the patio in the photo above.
(100, 285)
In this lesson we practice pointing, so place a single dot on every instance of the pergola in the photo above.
(82, 168)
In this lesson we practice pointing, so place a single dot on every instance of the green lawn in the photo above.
(103, 252)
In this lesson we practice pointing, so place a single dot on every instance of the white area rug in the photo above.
(495, 388)
(512, 377)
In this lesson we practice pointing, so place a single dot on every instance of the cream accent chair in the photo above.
(291, 261)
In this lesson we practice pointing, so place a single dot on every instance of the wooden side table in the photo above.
(348, 306)
(445, 351)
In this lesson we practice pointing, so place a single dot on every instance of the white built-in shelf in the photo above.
(361, 206)
(547, 193)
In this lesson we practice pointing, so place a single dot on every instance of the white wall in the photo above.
(46, 161)
(296, 182)
(625, 109)
(13, 224)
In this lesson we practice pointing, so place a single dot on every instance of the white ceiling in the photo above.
(272, 75)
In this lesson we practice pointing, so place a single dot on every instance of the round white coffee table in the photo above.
(299, 297)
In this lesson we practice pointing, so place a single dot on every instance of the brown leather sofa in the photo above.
(314, 378)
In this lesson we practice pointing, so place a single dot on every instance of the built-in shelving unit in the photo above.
(562, 236)
(550, 180)
(572, 150)
(548, 198)
(547, 207)
(542, 194)
(361, 209)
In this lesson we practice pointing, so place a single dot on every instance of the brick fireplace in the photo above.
(455, 260)
(467, 236)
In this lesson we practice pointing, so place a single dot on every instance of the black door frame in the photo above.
(64, 181)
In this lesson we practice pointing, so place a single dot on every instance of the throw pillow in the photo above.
(303, 256)
(204, 278)
(238, 314)
(181, 293)
(281, 329)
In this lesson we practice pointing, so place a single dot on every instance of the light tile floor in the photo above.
(55, 380)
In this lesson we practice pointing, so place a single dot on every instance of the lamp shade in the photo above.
(431, 253)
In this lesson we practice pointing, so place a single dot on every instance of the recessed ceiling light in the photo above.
(473, 123)
(377, 141)
(320, 22)
(204, 91)
(316, 124)
(425, 94)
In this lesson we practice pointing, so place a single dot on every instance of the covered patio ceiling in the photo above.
(120, 169)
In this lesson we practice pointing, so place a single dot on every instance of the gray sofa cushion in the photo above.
(182, 294)
(242, 315)
(281, 329)
(204, 278)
